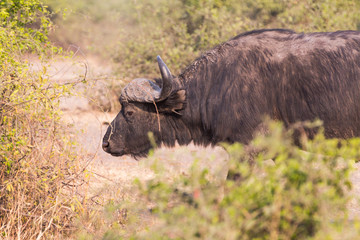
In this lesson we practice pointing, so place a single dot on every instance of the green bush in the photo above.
(37, 163)
(299, 194)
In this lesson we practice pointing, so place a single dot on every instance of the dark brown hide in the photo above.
(225, 94)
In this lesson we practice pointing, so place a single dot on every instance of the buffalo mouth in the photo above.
(115, 153)
(119, 154)
(142, 151)
(135, 155)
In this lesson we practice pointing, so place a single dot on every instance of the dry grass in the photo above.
(39, 191)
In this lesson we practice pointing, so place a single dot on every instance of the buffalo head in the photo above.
(146, 106)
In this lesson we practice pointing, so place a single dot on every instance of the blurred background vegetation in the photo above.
(131, 33)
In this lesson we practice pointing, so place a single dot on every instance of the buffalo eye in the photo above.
(129, 113)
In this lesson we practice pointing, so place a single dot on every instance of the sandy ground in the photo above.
(88, 127)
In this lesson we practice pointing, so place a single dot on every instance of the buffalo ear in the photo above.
(173, 103)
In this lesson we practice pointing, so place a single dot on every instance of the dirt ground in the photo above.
(88, 126)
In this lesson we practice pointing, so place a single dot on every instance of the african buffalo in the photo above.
(224, 95)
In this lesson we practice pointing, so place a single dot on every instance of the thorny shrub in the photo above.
(38, 167)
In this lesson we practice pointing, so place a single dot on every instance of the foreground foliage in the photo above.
(37, 166)
(299, 194)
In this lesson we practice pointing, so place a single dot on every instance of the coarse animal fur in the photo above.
(224, 95)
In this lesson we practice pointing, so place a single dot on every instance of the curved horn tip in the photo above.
(165, 72)
(160, 61)
(166, 79)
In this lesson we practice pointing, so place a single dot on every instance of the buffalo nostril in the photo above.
(105, 145)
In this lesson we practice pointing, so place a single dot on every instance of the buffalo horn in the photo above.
(166, 80)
